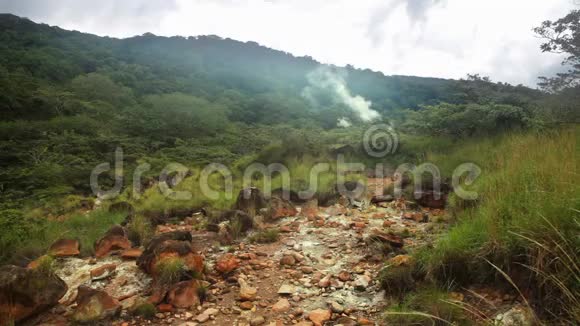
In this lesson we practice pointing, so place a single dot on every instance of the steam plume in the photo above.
(326, 79)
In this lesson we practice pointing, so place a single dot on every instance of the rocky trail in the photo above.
(321, 269)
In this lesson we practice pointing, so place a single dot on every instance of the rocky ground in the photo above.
(322, 270)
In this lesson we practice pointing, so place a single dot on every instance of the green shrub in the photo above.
(145, 310)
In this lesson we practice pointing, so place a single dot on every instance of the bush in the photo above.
(146, 310)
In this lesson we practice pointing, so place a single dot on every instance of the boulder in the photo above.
(25, 292)
(280, 207)
(250, 200)
(168, 245)
(94, 305)
(114, 239)
(227, 264)
(185, 294)
(64, 248)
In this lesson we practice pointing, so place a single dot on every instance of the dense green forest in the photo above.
(69, 99)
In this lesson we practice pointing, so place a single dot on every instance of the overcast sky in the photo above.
(438, 38)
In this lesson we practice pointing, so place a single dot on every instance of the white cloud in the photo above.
(439, 38)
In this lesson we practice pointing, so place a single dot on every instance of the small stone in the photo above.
(336, 307)
(319, 316)
(281, 306)
(286, 289)
(202, 318)
(307, 269)
(362, 282)
(257, 321)
(344, 276)
(288, 260)
(247, 293)
(246, 305)
(325, 282)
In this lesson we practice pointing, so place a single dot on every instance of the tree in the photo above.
(562, 36)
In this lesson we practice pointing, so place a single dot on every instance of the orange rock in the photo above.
(64, 248)
(102, 272)
(401, 260)
(285, 229)
(364, 321)
(388, 223)
(319, 316)
(248, 256)
(227, 264)
(114, 239)
(344, 276)
(358, 225)
(164, 307)
(184, 294)
(193, 262)
(132, 253)
(319, 222)
(157, 296)
(392, 239)
(281, 208)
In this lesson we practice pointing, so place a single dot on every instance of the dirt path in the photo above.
(323, 270)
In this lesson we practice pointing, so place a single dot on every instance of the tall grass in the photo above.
(31, 237)
(526, 222)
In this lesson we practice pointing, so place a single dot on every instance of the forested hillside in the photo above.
(69, 99)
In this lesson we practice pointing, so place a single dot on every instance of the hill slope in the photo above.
(69, 99)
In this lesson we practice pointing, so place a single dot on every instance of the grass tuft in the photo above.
(265, 236)
(170, 270)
